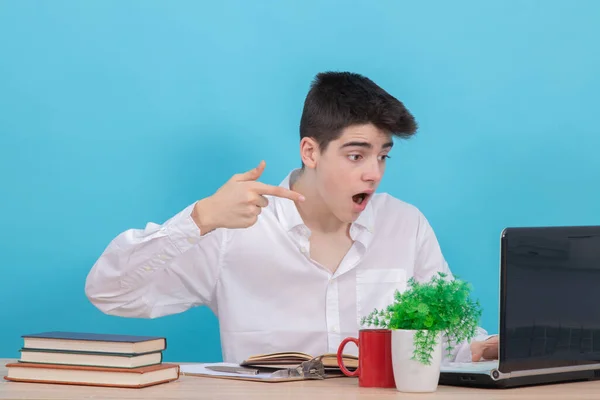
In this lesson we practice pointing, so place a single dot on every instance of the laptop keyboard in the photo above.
(472, 366)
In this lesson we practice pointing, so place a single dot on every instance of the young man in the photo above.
(291, 267)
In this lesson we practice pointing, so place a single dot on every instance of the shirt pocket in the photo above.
(375, 289)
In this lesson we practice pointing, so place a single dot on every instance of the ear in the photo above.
(309, 152)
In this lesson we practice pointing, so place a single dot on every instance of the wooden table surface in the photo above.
(189, 387)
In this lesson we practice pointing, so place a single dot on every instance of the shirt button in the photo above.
(191, 240)
(335, 329)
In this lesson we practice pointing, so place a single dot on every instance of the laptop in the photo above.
(549, 329)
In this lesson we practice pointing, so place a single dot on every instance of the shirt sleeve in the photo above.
(430, 261)
(159, 270)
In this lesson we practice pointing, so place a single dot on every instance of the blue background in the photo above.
(116, 113)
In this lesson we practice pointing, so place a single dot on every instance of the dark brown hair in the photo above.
(337, 100)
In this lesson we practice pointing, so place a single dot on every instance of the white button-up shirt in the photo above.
(261, 282)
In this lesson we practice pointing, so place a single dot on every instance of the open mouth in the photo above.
(360, 197)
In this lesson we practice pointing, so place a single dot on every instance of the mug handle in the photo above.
(340, 359)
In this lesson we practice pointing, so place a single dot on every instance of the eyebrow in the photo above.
(367, 145)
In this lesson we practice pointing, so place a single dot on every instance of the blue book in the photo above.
(94, 342)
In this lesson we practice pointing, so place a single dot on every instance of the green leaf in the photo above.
(439, 305)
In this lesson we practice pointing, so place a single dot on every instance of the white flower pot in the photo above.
(411, 375)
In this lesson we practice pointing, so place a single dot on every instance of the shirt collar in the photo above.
(290, 218)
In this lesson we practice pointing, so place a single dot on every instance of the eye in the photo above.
(354, 157)
(383, 157)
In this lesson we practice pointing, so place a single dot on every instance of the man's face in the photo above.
(349, 170)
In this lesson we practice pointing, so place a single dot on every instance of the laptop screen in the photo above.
(550, 297)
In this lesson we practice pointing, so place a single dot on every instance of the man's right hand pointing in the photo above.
(238, 202)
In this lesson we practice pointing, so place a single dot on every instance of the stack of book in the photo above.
(92, 359)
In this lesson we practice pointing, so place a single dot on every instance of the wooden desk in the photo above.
(188, 387)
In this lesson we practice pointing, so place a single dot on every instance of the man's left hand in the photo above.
(487, 349)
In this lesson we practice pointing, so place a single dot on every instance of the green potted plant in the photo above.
(418, 318)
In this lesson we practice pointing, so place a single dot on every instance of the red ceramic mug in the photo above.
(374, 358)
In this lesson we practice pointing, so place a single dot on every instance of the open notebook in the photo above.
(292, 359)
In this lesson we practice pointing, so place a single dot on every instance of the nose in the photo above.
(373, 172)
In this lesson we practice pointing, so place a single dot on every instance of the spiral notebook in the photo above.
(275, 367)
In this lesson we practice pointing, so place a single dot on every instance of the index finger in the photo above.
(279, 191)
